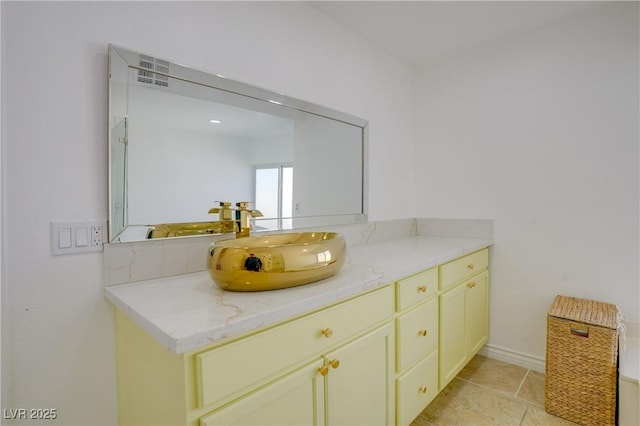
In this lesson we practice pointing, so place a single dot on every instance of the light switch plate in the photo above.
(77, 237)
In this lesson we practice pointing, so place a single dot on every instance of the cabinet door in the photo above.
(453, 354)
(477, 307)
(296, 399)
(359, 382)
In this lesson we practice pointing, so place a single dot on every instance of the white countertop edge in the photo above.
(150, 327)
(162, 307)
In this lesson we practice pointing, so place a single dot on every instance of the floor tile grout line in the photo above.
(521, 384)
(509, 395)
(524, 414)
(483, 386)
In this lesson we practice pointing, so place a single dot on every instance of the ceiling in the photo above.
(418, 31)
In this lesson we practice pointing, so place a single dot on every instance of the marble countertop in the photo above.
(189, 311)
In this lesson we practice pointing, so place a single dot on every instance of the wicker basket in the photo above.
(582, 360)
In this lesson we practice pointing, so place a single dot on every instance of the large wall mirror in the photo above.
(182, 140)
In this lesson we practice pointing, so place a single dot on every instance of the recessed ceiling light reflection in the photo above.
(215, 121)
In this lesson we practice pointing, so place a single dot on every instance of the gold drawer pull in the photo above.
(324, 370)
(326, 332)
(422, 289)
(471, 285)
(422, 332)
(470, 266)
(422, 389)
(334, 363)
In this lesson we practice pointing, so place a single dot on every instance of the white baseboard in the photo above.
(512, 357)
(629, 355)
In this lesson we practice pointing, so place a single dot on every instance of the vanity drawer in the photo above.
(416, 288)
(416, 389)
(228, 370)
(416, 334)
(464, 267)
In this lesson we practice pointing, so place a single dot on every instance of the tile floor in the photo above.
(489, 392)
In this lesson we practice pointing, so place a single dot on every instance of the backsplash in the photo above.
(468, 228)
(144, 260)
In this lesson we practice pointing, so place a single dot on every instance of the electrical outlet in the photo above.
(96, 235)
(77, 237)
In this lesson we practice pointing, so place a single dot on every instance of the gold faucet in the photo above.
(227, 224)
(243, 218)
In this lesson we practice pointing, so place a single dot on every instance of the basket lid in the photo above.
(586, 311)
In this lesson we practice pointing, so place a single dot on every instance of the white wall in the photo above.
(540, 133)
(55, 154)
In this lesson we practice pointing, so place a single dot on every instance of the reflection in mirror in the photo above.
(182, 140)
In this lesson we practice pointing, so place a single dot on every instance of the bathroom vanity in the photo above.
(373, 344)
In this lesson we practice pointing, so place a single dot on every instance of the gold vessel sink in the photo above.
(276, 261)
(185, 229)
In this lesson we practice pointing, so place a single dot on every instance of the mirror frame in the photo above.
(216, 81)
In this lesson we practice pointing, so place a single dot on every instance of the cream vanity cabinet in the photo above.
(464, 312)
(416, 323)
(376, 359)
(332, 366)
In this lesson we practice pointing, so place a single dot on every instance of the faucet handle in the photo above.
(223, 205)
(243, 205)
(224, 210)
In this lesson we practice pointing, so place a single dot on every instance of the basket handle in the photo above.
(579, 330)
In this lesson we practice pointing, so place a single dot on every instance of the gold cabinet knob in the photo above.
(422, 389)
(334, 363)
(470, 266)
(324, 370)
(471, 285)
(422, 289)
(422, 332)
(326, 332)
